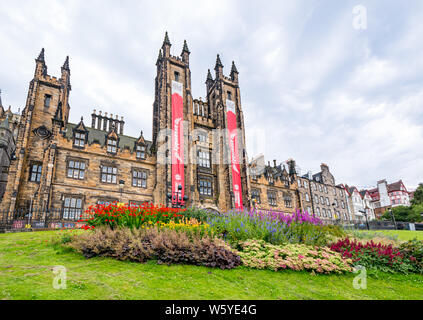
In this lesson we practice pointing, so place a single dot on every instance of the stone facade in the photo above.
(67, 166)
(9, 122)
(319, 194)
(275, 188)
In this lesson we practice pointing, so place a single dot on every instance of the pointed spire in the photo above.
(41, 56)
(218, 63)
(234, 69)
(66, 64)
(209, 76)
(166, 40)
(185, 49)
(160, 57)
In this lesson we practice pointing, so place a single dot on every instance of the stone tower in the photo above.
(173, 76)
(45, 114)
(212, 154)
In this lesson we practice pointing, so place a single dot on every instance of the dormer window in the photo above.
(79, 140)
(141, 152)
(111, 145)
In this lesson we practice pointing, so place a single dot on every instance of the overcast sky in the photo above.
(316, 87)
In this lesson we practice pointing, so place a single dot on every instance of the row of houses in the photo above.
(320, 195)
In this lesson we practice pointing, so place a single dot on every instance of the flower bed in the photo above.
(272, 227)
(375, 255)
(133, 217)
(261, 255)
(265, 240)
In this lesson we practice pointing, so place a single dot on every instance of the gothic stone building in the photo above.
(8, 132)
(62, 165)
(197, 150)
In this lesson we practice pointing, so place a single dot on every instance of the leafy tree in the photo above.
(401, 213)
(418, 196)
(418, 212)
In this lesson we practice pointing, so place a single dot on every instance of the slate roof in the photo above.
(396, 186)
(5, 123)
(363, 193)
(99, 136)
(319, 176)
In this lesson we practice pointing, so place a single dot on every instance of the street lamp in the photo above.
(121, 185)
(338, 218)
(365, 215)
(393, 218)
(176, 198)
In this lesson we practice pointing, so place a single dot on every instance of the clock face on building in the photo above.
(42, 132)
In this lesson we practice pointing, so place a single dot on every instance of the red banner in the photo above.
(233, 145)
(177, 143)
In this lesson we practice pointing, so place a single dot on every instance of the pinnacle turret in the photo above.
(160, 57)
(234, 69)
(209, 76)
(185, 49)
(41, 56)
(66, 64)
(166, 40)
(218, 63)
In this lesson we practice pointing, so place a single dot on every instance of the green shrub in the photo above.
(333, 230)
(196, 213)
(414, 250)
(261, 255)
(164, 245)
(373, 255)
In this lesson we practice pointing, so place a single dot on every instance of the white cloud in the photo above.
(320, 90)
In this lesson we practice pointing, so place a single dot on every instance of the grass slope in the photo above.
(403, 235)
(26, 262)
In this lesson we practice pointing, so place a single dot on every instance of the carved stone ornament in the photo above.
(42, 132)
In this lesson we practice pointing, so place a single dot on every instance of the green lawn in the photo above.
(402, 235)
(26, 263)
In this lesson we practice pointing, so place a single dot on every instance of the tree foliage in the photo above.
(418, 196)
(405, 214)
